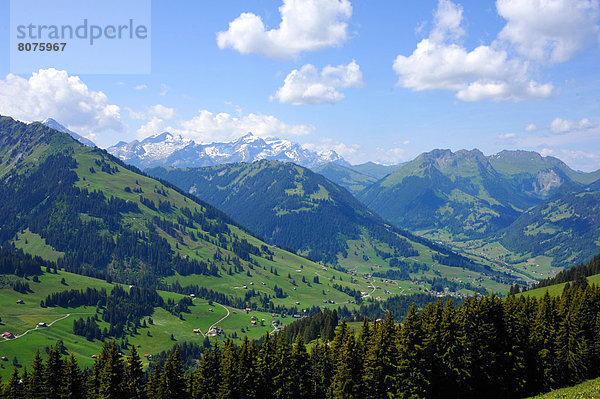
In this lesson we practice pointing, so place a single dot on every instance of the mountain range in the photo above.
(167, 149)
(91, 214)
(441, 194)
(290, 206)
(467, 195)
(296, 208)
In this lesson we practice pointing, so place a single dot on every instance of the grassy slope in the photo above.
(565, 228)
(558, 288)
(308, 294)
(34, 244)
(20, 318)
(284, 262)
(361, 255)
(520, 251)
(586, 390)
(459, 193)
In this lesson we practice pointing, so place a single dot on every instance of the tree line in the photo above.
(122, 309)
(16, 262)
(485, 347)
(585, 270)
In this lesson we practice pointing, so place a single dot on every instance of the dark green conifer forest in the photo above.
(487, 346)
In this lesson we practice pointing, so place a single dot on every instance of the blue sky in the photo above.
(374, 80)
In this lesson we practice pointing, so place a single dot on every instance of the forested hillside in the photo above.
(487, 347)
(566, 228)
(460, 193)
(94, 215)
(532, 205)
(291, 207)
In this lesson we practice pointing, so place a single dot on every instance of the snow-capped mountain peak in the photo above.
(53, 124)
(166, 149)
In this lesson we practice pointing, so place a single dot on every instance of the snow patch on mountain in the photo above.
(52, 124)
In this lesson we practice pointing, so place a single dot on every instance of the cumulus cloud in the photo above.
(447, 22)
(138, 115)
(141, 87)
(484, 73)
(561, 133)
(161, 111)
(306, 25)
(309, 86)
(549, 31)
(531, 127)
(50, 93)
(154, 126)
(208, 127)
(155, 116)
(560, 126)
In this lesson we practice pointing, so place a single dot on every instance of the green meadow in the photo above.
(166, 330)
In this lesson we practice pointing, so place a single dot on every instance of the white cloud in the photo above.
(581, 160)
(155, 115)
(141, 87)
(153, 111)
(154, 126)
(562, 133)
(507, 136)
(517, 90)
(390, 156)
(308, 86)
(560, 126)
(51, 93)
(546, 152)
(208, 127)
(447, 22)
(549, 31)
(161, 111)
(306, 25)
(484, 73)
(138, 115)
(531, 127)
(164, 89)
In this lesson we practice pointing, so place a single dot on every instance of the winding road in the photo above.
(218, 321)
(38, 327)
(222, 318)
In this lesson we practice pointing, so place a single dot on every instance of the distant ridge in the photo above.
(468, 193)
